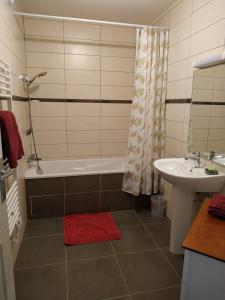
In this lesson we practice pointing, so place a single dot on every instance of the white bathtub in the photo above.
(63, 168)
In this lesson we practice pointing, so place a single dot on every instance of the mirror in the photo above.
(207, 120)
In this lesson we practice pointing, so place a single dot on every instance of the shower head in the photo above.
(28, 81)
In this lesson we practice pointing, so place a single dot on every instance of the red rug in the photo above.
(89, 228)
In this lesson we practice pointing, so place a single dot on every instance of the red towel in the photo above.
(217, 206)
(11, 141)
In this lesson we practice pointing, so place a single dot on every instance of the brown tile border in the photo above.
(173, 101)
(207, 103)
(20, 98)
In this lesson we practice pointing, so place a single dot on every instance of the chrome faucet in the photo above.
(196, 156)
(33, 158)
(213, 155)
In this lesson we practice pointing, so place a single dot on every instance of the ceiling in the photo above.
(131, 11)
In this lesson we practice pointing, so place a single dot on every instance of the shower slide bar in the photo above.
(49, 17)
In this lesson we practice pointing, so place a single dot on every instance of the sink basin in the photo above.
(180, 172)
(186, 180)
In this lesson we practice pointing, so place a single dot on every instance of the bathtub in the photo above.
(63, 168)
(78, 186)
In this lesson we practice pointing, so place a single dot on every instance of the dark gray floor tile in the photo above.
(88, 251)
(40, 227)
(166, 294)
(47, 283)
(95, 279)
(41, 251)
(160, 233)
(147, 270)
(145, 217)
(176, 260)
(133, 238)
(125, 218)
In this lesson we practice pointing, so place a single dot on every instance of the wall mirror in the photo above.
(207, 120)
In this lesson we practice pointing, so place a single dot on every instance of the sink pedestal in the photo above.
(182, 209)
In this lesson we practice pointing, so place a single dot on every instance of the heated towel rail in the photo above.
(9, 177)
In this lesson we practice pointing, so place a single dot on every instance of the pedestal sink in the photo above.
(186, 180)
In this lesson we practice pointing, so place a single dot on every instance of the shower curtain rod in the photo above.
(49, 17)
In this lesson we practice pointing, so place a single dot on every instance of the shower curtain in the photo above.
(146, 140)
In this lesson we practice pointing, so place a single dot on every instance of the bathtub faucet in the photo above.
(33, 158)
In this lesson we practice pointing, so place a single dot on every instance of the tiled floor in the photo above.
(138, 267)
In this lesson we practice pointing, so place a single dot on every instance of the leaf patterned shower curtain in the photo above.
(146, 140)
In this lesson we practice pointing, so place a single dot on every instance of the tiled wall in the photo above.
(12, 50)
(86, 62)
(197, 28)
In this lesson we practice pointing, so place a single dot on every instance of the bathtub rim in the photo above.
(33, 175)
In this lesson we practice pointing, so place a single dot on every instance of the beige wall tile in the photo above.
(82, 77)
(117, 64)
(174, 130)
(217, 122)
(217, 111)
(49, 123)
(84, 31)
(218, 146)
(52, 151)
(86, 47)
(216, 134)
(48, 91)
(116, 93)
(199, 134)
(209, 38)
(45, 60)
(219, 83)
(114, 136)
(43, 27)
(116, 33)
(117, 78)
(113, 148)
(211, 13)
(200, 110)
(115, 110)
(117, 49)
(199, 3)
(185, 134)
(182, 10)
(83, 109)
(177, 89)
(180, 32)
(177, 70)
(200, 122)
(44, 44)
(48, 109)
(84, 137)
(50, 137)
(179, 51)
(200, 82)
(220, 71)
(202, 95)
(83, 150)
(219, 95)
(175, 112)
(114, 123)
(83, 123)
(82, 62)
(82, 91)
(173, 147)
(187, 112)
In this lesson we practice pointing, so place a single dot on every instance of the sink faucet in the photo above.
(214, 155)
(196, 156)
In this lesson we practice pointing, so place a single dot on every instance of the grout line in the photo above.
(156, 290)
(160, 249)
(42, 236)
(121, 271)
(89, 258)
(67, 282)
(39, 266)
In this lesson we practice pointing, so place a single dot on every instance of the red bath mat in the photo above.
(89, 228)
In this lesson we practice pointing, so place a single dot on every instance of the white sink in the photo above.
(186, 180)
(180, 172)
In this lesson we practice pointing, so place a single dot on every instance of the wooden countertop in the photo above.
(206, 235)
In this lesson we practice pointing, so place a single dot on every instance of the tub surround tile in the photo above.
(82, 184)
(44, 186)
(111, 181)
(82, 203)
(116, 200)
(45, 206)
